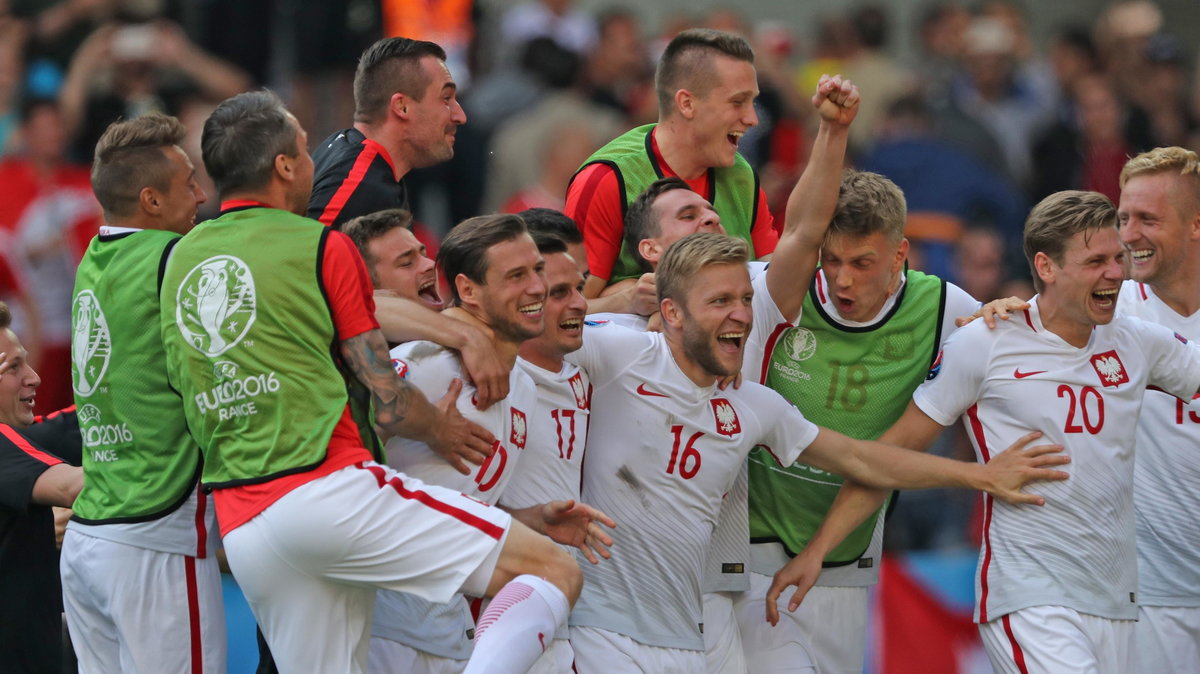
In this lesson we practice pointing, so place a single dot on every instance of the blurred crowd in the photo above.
(981, 123)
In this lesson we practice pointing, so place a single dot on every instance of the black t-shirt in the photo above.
(352, 176)
(30, 594)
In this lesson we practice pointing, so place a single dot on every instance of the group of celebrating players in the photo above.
(615, 471)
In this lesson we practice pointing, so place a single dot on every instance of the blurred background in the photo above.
(976, 110)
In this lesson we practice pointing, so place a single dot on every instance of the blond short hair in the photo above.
(1061, 216)
(868, 203)
(1176, 160)
(687, 256)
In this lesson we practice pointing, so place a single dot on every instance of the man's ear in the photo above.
(285, 167)
(467, 289)
(650, 250)
(685, 103)
(901, 255)
(150, 201)
(672, 313)
(1045, 267)
(398, 104)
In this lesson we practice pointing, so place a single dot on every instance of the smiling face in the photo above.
(1086, 284)
(679, 213)
(862, 272)
(511, 299)
(722, 114)
(18, 382)
(399, 263)
(184, 194)
(564, 311)
(1158, 223)
(433, 120)
(714, 320)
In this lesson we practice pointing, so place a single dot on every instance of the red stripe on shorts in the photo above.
(977, 431)
(1018, 654)
(201, 529)
(425, 499)
(193, 598)
(351, 183)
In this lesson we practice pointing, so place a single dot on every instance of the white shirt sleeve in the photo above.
(955, 380)
(958, 303)
(786, 432)
(1174, 361)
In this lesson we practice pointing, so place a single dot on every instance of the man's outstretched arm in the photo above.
(812, 202)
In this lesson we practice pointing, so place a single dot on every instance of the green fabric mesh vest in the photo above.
(250, 344)
(857, 381)
(732, 190)
(139, 460)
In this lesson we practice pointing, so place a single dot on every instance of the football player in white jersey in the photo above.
(498, 287)
(667, 211)
(1160, 227)
(674, 443)
(1056, 588)
(408, 305)
(558, 427)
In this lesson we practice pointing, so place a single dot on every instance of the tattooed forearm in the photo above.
(397, 402)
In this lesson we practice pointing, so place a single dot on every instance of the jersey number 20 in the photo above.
(1092, 421)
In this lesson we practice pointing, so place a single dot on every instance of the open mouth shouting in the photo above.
(1106, 299)
(731, 342)
(735, 137)
(428, 293)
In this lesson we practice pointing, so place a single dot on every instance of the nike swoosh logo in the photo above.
(641, 389)
(1021, 375)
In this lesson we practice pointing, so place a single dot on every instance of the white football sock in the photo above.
(517, 626)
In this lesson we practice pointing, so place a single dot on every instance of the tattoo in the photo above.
(367, 356)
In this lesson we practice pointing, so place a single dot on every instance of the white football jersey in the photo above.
(1078, 550)
(729, 554)
(431, 368)
(558, 430)
(446, 629)
(1166, 474)
(668, 451)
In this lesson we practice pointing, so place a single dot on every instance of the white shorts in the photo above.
(722, 642)
(826, 634)
(600, 651)
(130, 609)
(385, 655)
(1058, 640)
(558, 658)
(310, 563)
(1168, 639)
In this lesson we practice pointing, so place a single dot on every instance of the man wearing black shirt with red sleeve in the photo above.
(405, 117)
(31, 480)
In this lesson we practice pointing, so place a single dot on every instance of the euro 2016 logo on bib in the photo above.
(1110, 369)
(801, 344)
(216, 304)
(726, 417)
(91, 344)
